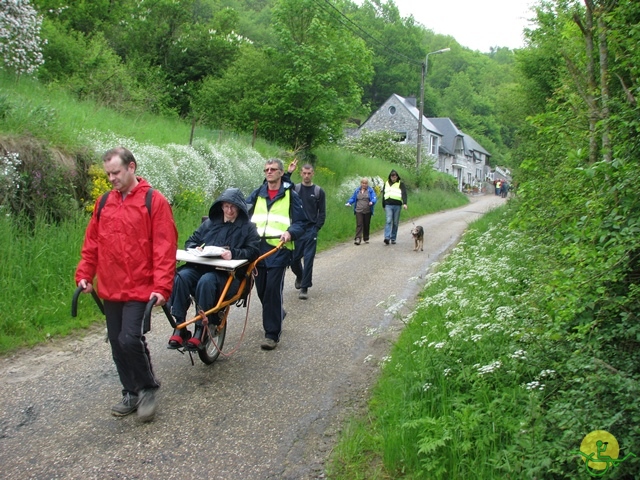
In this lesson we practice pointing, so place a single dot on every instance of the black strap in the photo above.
(316, 189)
(103, 200)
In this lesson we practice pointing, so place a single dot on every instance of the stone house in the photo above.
(451, 150)
(460, 155)
(400, 115)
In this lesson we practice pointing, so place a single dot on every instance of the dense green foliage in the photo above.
(290, 71)
(527, 338)
(561, 112)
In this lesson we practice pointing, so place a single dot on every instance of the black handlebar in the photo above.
(147, 314)
(74, 301)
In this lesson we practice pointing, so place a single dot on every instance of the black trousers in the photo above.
(305, 251)
(363, 223)
(129, 349)
(269, 285)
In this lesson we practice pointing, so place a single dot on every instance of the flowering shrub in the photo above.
(9, 177)
(182, 172)
(99, 185)
(382, 145)
(348, 186)
(20, 43)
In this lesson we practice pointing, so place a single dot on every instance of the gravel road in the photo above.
(253, 415)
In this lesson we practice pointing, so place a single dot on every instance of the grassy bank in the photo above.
(480, 384)
(457, 398)
(39, 260)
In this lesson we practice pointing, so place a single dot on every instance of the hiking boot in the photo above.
(195, 342)
(303, 294)
(386, 241)
(356, 241)
(179, 338)
(268, 344)
(147, 405)
(124, 407)
(393, 242)
(298, 283)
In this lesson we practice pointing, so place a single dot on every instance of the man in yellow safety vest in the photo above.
(277, 211)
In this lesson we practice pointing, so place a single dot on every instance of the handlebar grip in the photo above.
(146, 319)
(74, 302)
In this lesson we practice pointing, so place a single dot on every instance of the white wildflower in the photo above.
(490, 368)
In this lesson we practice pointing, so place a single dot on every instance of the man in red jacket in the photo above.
(130, 247)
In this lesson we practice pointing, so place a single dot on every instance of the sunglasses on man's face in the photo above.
(269, 170)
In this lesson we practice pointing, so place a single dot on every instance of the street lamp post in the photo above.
(420, 115)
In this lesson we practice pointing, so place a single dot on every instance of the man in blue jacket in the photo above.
(277, 211)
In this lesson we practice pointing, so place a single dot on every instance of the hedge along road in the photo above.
(254, 415)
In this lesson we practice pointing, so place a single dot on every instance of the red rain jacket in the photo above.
(132, 252)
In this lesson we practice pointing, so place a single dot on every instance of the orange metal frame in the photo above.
(225, 303)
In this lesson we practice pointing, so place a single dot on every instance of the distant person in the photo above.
(394, 198)
(504, 189)
(363, 200)
(227, 226)
(277, 211)
(130, 247)
(314, 204)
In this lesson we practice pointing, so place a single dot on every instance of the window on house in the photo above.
(459, 146)
(400, 137)
(392, 110)
(433, 147)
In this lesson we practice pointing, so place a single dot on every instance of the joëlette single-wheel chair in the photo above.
(213, 335)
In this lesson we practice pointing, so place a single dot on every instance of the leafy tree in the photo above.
(398, 50)
(323, 68)
(299, 92)
(20, 42)
(579, 196)
(236, 100)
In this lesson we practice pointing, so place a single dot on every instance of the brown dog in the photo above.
(417, 232)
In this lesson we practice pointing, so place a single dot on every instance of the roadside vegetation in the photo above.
(526, 339)
(49, 189)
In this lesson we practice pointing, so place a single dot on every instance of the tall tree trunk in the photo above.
(604, 87)
(594, 113)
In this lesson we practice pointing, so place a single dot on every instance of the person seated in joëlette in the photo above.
(228, 226)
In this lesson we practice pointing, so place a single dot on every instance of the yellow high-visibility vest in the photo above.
(392, 192)
(273, 223)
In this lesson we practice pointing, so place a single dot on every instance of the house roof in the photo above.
(408, 105)
(413, 110)
(451, 132)
(471, 144)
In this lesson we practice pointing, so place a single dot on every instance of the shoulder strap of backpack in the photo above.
(104, 197)
(148, 199)
(316, 189)
(103, 200)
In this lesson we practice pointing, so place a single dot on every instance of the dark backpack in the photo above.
(104, 197)
(316, 189)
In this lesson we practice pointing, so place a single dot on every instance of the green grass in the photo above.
(38, 281)
(456, 399)
(54, 115)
